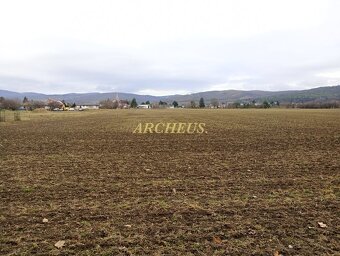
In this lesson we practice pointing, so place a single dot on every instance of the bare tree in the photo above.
(36, 104)
(214, 102)
(108, 104)
(10, 104)
(54, 104)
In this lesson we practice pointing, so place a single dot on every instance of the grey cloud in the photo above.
(275, 61)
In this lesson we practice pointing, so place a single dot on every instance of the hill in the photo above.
(317, 94)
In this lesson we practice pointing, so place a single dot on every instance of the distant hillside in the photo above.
(78, 98)
(223, 96)
(317, 94)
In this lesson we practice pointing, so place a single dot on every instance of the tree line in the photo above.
(9, 104)
(15, 104)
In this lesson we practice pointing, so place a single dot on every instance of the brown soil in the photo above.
(257, 183)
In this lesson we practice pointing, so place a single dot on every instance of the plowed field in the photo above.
(259, 182)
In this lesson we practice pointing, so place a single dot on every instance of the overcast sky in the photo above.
(164, 47)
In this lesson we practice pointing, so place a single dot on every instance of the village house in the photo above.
(143, 106)
(118, 103)
(87, 106)
(122, 104)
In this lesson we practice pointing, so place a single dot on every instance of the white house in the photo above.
(90, 106)
(144, 106)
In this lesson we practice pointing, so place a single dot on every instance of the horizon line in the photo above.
(79, 93)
